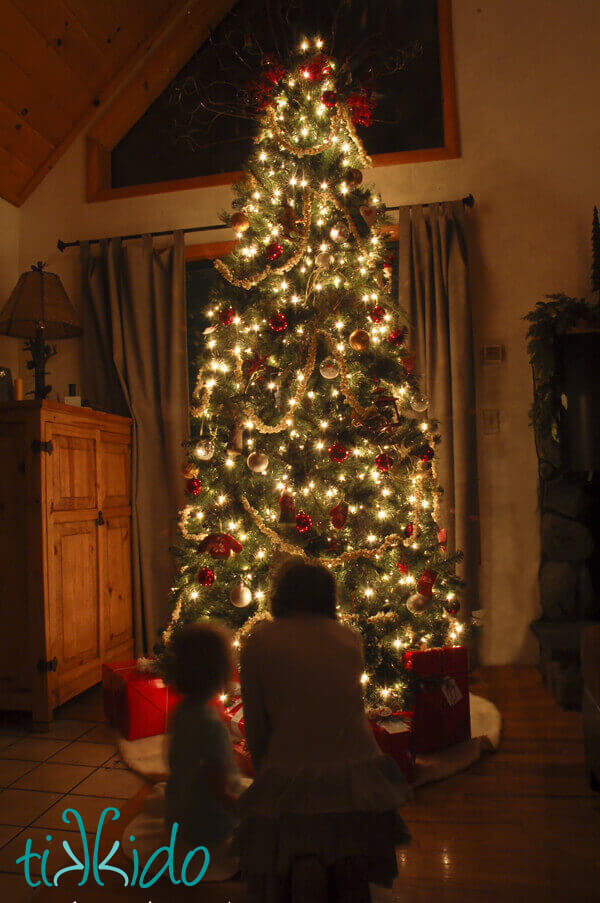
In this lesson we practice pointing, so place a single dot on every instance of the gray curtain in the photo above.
(434, 290)
(135, 362)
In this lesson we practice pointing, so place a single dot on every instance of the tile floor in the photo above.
(41, 775)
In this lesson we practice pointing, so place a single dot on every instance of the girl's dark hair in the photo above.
(299, 587)
(202, 659)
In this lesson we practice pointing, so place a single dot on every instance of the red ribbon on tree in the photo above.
(263, 86)
(361, 105)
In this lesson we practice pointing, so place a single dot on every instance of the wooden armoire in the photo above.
(65, 552)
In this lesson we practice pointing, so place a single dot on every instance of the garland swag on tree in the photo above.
(319, 442)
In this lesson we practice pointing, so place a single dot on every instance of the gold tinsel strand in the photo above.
(250, 281)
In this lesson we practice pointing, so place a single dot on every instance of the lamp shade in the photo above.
(39, 299)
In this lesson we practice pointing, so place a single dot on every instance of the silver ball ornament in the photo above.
(257, 462)
(240, 596)
(339, 232)
(324, 259)
(419, 402)
(329, 368)
(417, 603)
(204, 449)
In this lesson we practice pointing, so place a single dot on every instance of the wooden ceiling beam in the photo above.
(174, 12)
(171, 55)
(13, 175)
(21, 140)
(24, 96)
(31, 52)
(62, 30)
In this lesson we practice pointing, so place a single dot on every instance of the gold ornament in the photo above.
(189, 470)
(359, 340)
(240, 222)
(354, 176)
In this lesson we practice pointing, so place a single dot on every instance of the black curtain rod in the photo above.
(468, 201)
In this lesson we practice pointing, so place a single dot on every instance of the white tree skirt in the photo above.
(148, 756)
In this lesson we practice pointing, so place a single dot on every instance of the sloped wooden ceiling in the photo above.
(59, 60)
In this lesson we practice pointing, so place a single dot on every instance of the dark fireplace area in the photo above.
(569, 495)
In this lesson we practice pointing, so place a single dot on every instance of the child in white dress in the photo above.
(320, 821)
(203, 783)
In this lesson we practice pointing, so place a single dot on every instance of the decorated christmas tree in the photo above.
(310, 431)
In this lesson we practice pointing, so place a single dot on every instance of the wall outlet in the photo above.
(493, 354)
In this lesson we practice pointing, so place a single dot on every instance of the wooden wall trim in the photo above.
(127, 109)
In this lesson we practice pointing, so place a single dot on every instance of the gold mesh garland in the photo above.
(293, 148)
(347, 119)
(389, 542)
(250, 281)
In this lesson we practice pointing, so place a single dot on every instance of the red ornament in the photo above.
(361, 105)
(388, 263)
(426, 453)
(329, 99)
(278, 322)
(426, 583)
(442, 536)
(337, 452)
(409, 530)
(226, 315)
(316, 69)
(339, 515)
(452, 607)
(205, 576)
(193, 486)
(402, 566)
(303, 522)
(220, 545)
(287, 508)
(409, 361)
(273, 251)
(377, 313)
(396, 337)
(254, 364)
(263, 87)
(384, 462)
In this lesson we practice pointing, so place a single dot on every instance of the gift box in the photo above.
(441, 715)
(242, 757)
(137, 703)
(233, 712)
(393, 734)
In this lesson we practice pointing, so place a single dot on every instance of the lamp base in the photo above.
(40, 353)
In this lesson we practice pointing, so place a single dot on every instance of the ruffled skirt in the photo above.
(332, 811)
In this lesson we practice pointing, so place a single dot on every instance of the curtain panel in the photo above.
(135, 363)
(434, 290)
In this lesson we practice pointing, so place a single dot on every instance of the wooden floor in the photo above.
(522, 825)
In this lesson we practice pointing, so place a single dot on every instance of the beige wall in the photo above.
(527, 79)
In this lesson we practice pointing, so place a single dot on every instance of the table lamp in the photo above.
(39, 309)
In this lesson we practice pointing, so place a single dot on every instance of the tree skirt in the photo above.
(148, 757)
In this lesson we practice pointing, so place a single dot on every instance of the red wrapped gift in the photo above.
(138, 704)
(233, 712)
(242, 757)
(393, 735)
(442, 715)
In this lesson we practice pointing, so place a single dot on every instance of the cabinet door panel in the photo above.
(115, 471)
(115, 540)
(15, 669)
(72, 466)
(73, 564)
